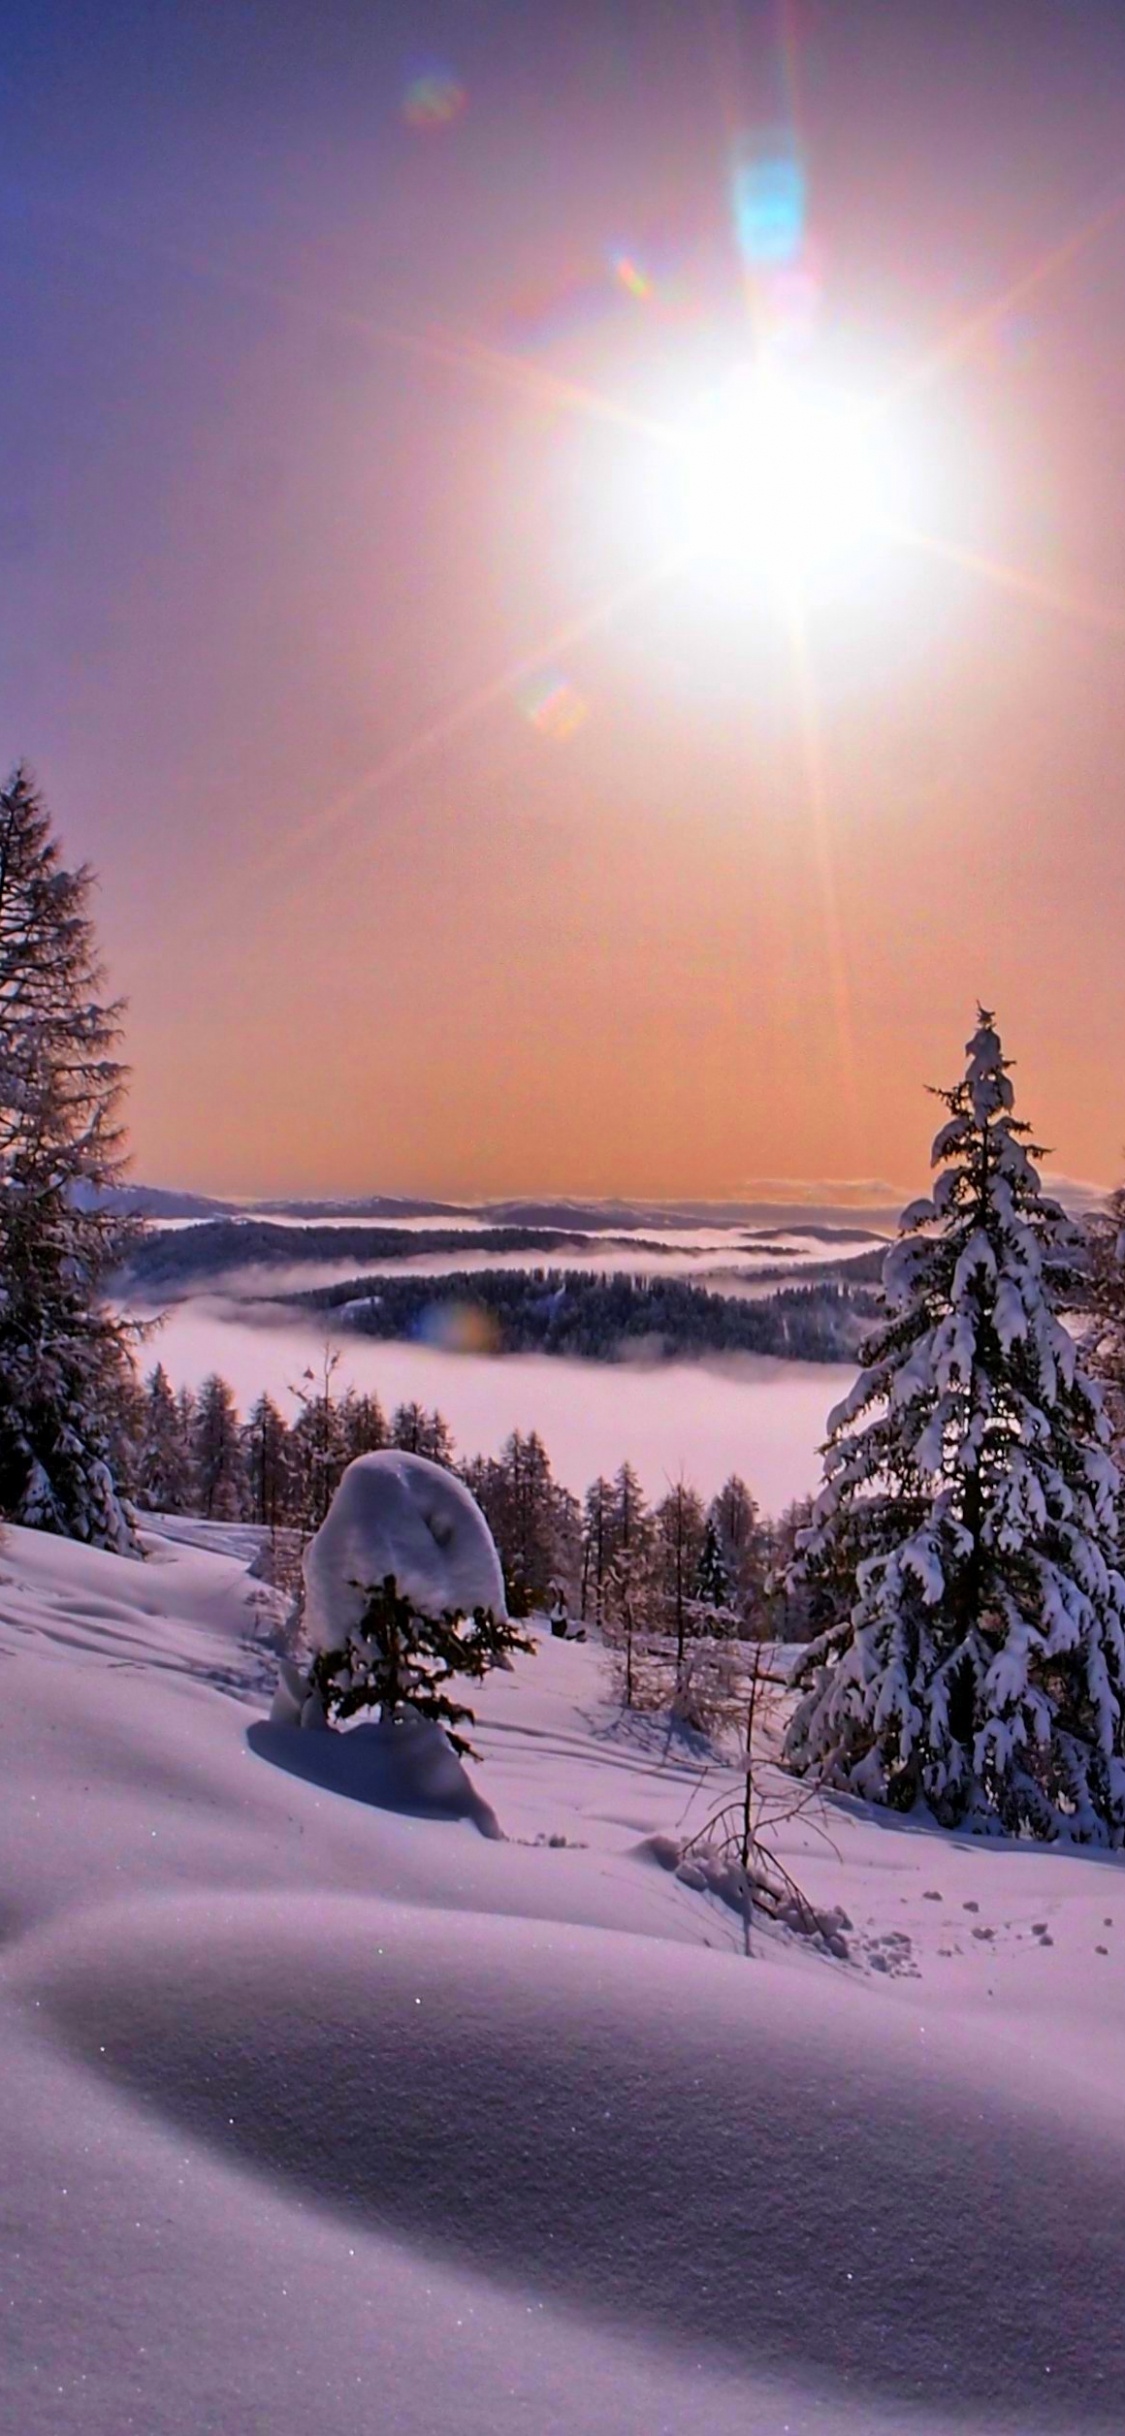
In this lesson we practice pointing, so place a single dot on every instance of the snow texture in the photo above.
(399, 1514)
(316, 2115)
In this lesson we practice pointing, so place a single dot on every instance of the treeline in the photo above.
(681, 1567)
(174, 1256)
(603, 1316)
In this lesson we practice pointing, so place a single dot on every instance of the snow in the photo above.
(319, 2114)
(399, 1514)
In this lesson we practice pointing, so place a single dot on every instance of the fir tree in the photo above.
(317, 1450)
(164, 1463)
(742, 1545)
(418, 1432)
(64, 1357)
(1104, 1338)
(965, 1537)
(677, 1547)
(597, 1546)
(217, 1452)
(265, 1448)
(712, 1585)
(397, 1659)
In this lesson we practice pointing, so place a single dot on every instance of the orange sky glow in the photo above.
(466, 823)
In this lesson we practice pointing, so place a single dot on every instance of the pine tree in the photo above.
(1103, 1344)
(363, 1424)
(743, 1547)
(217, 1452)
(677, 1548)
(712, 1584)
(399, 1660)
(265, 1451)
(64, 1357)
(418, 1432)
(965, 1537)
(597, 1546)
(164, 1463)
(317, 1450)
(534, 1521)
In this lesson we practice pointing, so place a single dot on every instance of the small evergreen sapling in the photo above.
(397, 1660)
(964, 1543)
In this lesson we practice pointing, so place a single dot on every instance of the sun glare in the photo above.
(778, 477)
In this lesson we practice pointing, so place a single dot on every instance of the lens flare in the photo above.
(458, 1328)
(553, 706)
(630, 276)
(768, 201)
(433, 100)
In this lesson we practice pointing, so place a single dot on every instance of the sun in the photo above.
(776, 476)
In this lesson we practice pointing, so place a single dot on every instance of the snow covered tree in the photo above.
(265, 1450)
(533, 1519)
(712, 1584)
(743, 1546)
(164, 1462)
(597, 1546)
(64, 1356)
(677, 1548)
(1103, 1343)
(217, 1452)
(418, 1432)
(363, 1423)
(396, 1641)
(965, 1536)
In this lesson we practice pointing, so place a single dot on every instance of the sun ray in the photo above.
(1101, 616)
(463, 714)
(431, 345)
(820, 831)
(961, 341)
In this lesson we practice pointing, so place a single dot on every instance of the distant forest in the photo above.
(603, 1317)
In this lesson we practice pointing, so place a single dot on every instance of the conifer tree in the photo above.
(1104, 1337)
(164, 1467)
(678, 1545)
(965, 1536)
(398, 1660)
(742, 1545)
(64, 1357)
(712, 1585)
(597, 1546)
(217, 1452)
(265, 1447)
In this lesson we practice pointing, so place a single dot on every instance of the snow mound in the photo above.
(398, 1513)
(734, 2165)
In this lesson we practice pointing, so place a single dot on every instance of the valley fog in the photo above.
(745, 1413)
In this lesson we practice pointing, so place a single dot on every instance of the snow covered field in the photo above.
(322, 2117)
(742, 1412)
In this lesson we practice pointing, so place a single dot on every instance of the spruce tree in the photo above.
(399, 1661)
(712, 1585)
(1103, 1343)
(965, 1537)
(164, 1467)
(217, 1451)
(64, 1357)
(265, 1447)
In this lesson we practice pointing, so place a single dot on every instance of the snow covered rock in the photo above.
(399, 1514)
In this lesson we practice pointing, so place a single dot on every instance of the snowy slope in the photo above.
(316, 2116)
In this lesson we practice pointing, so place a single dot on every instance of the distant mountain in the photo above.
(827, 1220)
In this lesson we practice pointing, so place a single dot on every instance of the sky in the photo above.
(478, 806)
